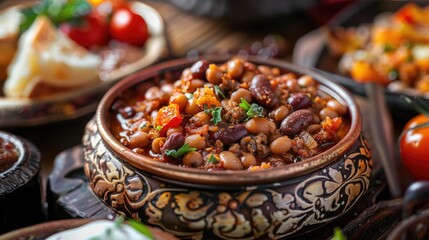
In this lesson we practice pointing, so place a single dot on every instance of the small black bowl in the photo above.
(20, 188)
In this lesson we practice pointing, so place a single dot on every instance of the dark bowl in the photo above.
(20, 182)
(272, 203)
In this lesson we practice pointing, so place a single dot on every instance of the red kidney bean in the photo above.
(293, 123)
(263, 92)
(299, 101)
(230, 135)
(174, 141)
(199, 68)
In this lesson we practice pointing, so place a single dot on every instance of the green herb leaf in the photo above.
(219, 91)
(119, 221)
(216, 114)
(338, 234)
(180, 152)
(252, 110)
(212, 159)
(244, 104)
(57, 11)
(141, 228)
(158, 128)
(388, 48)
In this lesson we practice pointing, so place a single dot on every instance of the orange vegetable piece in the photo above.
(331, 125)
(363, 72)
(168, 117)
(205, 97)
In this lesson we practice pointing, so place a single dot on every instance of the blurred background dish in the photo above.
(312, 49)
(78, 101)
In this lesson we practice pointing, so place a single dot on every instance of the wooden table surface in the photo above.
(187, 34)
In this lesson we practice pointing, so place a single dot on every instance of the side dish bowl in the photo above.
(268, 203)
(15, 112)
(19, 181)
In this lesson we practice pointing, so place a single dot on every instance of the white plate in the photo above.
(72, 104)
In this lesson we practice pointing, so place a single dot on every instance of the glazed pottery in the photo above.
(191, 203)
(20, 188)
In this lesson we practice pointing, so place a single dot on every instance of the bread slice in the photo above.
(48, 62)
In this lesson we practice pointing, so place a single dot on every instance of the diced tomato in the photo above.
(331, 125)
(168, 117)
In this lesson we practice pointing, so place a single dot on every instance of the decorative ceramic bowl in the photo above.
(271, 203)
(20, 191)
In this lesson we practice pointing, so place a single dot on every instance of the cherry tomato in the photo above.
(129, 27)
(414, 148)
(93, 31)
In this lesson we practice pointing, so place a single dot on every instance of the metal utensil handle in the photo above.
(382, 129)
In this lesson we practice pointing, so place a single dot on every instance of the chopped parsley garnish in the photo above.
(388, 48)
(338, 234)
(57, 11)
(252, 110)
(118, 225)
(216, 114)
(219, 91)
(180, 152)
(158, 128)
(141, 228)
(212, 159)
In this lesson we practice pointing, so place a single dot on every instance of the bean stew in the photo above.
(9, 154)
(230, 116)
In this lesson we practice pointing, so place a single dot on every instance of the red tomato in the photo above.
(414, 148)
(129, 27)
(92, 32)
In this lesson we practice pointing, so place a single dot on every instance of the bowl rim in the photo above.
(19, 145)
(173, 173)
